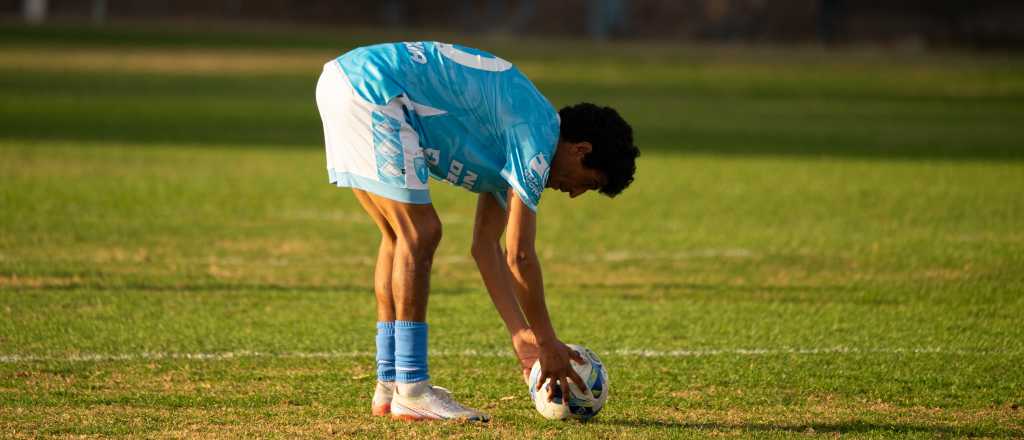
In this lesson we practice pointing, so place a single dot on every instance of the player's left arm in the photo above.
(488, 227)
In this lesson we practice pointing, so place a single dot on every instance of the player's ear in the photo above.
(582, 148)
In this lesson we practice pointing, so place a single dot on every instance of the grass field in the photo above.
(820, 244)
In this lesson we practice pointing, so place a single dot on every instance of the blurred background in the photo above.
(978, 24)
(839, 77)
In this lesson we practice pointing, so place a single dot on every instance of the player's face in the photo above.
(569, 175)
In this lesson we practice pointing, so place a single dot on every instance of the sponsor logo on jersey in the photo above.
(459, 175)
(537, 175)
(454, 171)
(471, 60)
(416, 52)
(433, 155)
(469, 180)
(539, 164)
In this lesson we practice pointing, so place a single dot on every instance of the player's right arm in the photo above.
(526, 272)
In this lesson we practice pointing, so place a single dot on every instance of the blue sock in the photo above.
(386, 351)
(410, 351)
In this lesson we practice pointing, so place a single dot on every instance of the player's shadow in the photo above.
(848, 427)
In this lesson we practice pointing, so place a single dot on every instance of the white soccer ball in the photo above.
(581, 406)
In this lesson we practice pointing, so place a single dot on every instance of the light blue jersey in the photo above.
(482, 124)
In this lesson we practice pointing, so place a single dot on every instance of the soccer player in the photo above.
(395, 114)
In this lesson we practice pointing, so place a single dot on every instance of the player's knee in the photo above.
(429, 234)
(423, 238)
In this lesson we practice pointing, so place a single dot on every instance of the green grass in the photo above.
(816, 244)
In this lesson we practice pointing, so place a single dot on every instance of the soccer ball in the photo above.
(582, 406)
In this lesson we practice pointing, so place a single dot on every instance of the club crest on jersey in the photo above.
(416, 51)
(420, 165)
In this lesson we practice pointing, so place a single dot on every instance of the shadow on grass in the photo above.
(847, 427)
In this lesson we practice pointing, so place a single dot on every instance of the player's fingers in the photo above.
(579, 381)
(568, 389)
(565, 390)
(555, 384)
(542, 379)
(576, 356)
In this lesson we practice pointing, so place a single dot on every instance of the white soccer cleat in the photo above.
(382, 398)
(427, 402)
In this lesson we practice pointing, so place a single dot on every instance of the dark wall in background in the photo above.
(984, 23)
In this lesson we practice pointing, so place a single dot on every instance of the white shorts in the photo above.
(369, 147)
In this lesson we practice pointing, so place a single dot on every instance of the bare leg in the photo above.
(409, 236)
(418, 232)
(382, 285)
(382, 281)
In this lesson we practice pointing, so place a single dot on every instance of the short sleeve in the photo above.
(528, 161)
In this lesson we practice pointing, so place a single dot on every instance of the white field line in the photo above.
(624, 352)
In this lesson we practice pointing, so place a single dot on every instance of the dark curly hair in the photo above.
(612, 138)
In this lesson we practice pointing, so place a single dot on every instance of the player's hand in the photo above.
(525, 345)
(554, 365)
